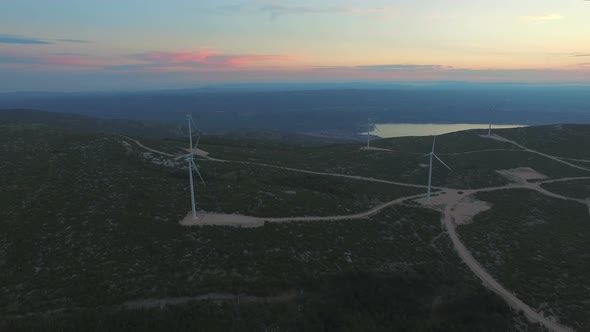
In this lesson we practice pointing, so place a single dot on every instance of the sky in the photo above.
(74, 45)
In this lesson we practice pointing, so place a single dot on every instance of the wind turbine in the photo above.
(191, 164)
(369, 133)
(490, 127)
(433, 155)
(370, 128)
(494, 108)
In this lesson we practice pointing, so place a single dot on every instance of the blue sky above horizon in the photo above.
(73, 45)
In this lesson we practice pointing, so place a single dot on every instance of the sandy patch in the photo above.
(464, 207)
(215, 219)
(468, 208)
(521, 174)
(439, 200)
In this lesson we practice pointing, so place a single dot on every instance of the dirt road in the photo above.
(489, 281)
(558, 159)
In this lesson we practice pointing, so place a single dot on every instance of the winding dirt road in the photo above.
(375, 210)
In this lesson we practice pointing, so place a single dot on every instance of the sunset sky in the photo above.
(76, 45)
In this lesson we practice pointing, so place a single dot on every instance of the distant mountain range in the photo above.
(319, 110)
(84, 123)
(151, 129)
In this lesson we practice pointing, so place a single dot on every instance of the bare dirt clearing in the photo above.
(521, 174)
(467, 208)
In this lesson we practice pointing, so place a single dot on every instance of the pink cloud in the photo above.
(178, 57)
(201, 60)
(227, 66)
(239, 60)
(206, 60)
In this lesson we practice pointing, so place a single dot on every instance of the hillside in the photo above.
(90, 234)
(89, 124)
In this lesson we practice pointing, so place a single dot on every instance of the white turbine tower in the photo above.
(368, 133)
(433, 155)
(191, 164)
(493, 109)
(490, 127)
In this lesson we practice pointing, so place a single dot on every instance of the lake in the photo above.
(387, 130)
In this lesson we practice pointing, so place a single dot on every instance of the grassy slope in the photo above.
(537, 247)
(268, 192)
(88, 124)
(473, 170)
(570, 141)
(395, 278)
(86, 224)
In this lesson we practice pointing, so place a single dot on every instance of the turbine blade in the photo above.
(377, 130)
(433, 143)
(199, 173)
(442, 162)
(426, 155)
(190, 133)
